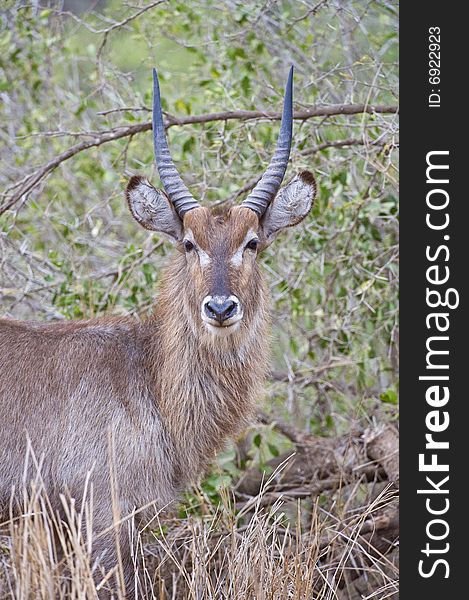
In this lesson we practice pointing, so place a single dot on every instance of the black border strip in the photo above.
(434, 123)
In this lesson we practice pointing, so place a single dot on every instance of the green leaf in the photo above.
(273, 449)
(246, 85)
(389, 397)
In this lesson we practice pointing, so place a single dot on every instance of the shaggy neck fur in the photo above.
(207, 384)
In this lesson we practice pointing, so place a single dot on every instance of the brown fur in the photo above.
(168, 390)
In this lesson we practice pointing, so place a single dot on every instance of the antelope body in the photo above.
(166, 391)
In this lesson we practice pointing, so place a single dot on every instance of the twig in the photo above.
(123, 23)
(288, 431)
(349, 142)
(111, 111)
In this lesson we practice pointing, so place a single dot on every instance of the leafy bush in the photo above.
(68, 248)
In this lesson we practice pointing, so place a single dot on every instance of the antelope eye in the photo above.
(252, 244)
(188, 246)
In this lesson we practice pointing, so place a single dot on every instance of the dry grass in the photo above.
(338, 545)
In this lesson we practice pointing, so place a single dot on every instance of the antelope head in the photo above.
(220, 251)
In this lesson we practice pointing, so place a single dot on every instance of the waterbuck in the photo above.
(165, 392)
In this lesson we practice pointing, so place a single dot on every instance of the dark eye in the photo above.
(252, 244)
(188, 246)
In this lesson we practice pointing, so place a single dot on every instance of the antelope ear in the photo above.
(152, 209)
(290, 206)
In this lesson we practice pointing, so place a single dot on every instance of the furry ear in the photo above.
(152, 209)
(290, 206)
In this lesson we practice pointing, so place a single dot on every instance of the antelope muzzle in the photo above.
(221, 311)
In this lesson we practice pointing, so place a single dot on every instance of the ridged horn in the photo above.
(175, 189)
(269, 184)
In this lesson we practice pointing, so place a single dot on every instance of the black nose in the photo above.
(220, 309)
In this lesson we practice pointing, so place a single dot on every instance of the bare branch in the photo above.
(27, 184)
(299, 115)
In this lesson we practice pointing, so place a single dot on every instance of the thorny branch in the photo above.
(27, 184)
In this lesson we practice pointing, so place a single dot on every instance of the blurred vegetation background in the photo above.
(75, 92)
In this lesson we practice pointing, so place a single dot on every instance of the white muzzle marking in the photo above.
(228, 325)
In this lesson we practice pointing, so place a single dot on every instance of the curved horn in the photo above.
(267, 188)
(174, 186)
